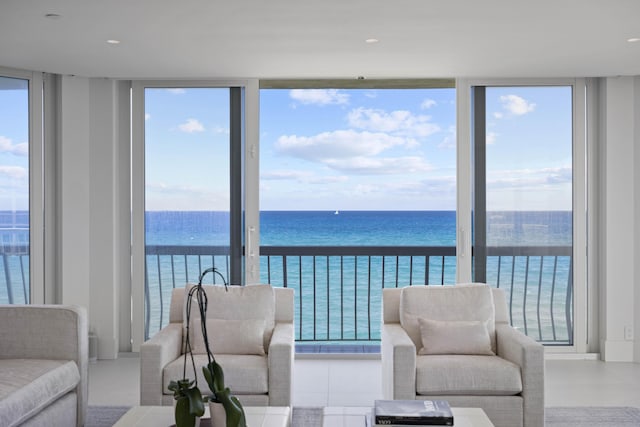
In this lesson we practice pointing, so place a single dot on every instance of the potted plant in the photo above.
(189, 399)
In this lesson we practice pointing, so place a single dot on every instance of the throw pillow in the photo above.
(454, 337)
(229, 336)
(450, 303)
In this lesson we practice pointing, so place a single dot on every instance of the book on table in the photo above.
(412, 412)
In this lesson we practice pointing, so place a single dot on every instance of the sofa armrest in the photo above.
(56, 332)
(525, 352)
(398, 363)
(280, 360)
(163, 348)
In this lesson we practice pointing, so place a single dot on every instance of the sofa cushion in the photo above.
(450, 303)
(454, 337)
(467, 375)
(243, 374)
(229, 336)
(238, 303)
(29, 385)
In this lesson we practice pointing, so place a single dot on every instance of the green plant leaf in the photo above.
(196, 403)
(182, 415)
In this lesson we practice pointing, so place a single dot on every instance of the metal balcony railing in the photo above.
(338, 288)
(15, 274)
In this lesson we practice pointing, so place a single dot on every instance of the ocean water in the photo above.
(338, 298)
(365, 228)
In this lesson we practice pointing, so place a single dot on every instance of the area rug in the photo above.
(107, 416)
(104, 416)
(592, 417)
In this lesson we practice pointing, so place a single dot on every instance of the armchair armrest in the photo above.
(57, 332)
(280, 361)
(398, 363)
(163, 348)
(525, 352)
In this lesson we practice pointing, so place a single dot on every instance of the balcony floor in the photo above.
(346, 381)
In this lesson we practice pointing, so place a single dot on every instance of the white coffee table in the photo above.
(162, 416)
(335, 416)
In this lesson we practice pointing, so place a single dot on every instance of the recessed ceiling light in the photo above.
(52, 16)
(634, 40)
(113, 41)
(371, 40)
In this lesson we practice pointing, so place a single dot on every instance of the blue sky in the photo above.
(330, 149)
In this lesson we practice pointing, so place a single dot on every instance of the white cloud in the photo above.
(400, 121)
(319, 96)
(379, 166)
(191, 125)
(176, 91)
(428, 103)
(7, 146)
(301, 176)
(163, 196)
(147, 116)
(516, 105)
(338, 144)
(530, 178)
(15, 172)
(284, 175)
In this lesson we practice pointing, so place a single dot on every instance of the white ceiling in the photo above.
(322, 39)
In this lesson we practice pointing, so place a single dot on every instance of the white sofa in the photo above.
(256, 379)
(43, 365)
(502, 373)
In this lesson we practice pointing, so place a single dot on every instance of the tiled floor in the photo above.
(356, 382)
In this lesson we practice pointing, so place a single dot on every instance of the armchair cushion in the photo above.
(449, 303)
(454, 337)
(467, 375)
(229, 336)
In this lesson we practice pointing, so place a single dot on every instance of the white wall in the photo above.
(618, 256)
(73, 167)
(88, 232)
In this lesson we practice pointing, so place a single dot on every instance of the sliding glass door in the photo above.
(192, 218)
(523, 203)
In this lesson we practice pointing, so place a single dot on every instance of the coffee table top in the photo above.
(337, 416)
(162, 416)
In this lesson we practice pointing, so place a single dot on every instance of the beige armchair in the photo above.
(257, 365)
(455, 343)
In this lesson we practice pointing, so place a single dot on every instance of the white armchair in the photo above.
(261, 377)
(455, 343)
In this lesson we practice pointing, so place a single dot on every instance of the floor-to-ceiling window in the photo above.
(15, 287)
(526, 185)
(192, 219)
(357, 193)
